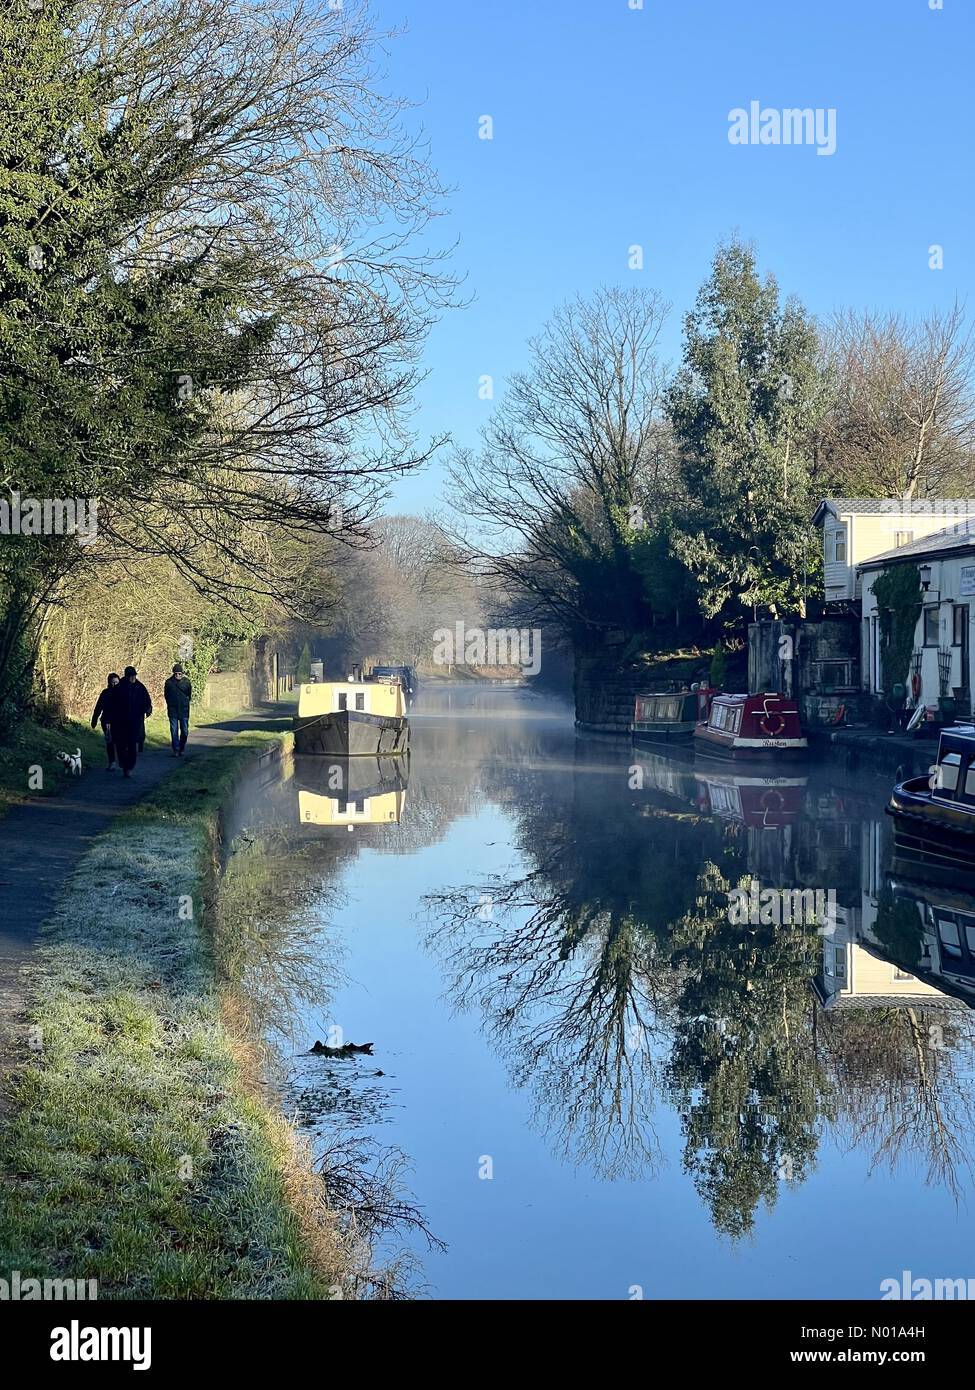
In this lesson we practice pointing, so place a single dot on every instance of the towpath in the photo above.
(43, 841)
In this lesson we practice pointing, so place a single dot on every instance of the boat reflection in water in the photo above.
(769, 802)
(351, 791)
(931, 929)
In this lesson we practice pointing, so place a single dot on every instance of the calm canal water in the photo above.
(601, 1084)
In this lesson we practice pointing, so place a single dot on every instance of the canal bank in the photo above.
(900, 755)
(137, 1144)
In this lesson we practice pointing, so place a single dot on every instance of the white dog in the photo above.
(72, 762)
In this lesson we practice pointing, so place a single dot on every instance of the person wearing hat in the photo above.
(127, 708)
(178, 692)
(101, 713)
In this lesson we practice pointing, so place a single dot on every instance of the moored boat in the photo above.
(669, 716)
(934, 815)
(352, 719)
(406, 675)
(751, 726)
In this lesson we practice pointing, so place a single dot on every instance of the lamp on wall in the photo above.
(925, 572)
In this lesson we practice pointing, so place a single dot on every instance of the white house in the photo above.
(857, 528)
(942, 651)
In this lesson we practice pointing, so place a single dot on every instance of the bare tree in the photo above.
(219, 283)
(902, 421)
(571, 458)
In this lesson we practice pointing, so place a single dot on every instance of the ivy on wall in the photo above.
(898, 594)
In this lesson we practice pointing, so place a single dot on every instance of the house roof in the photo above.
(892, 506)
(961, 536)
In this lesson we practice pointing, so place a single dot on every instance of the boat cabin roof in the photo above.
(959, 739)
(955, 776)
(662, 694)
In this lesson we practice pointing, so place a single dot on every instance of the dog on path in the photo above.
(72, 762)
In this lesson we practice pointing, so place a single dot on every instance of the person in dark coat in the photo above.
(129, 706)
(178, 692)
(101, 713)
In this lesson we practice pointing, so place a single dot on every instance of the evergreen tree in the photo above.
(303, 673)
(741, 407)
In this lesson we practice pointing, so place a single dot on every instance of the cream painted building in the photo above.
(855, 529)
(943, 638)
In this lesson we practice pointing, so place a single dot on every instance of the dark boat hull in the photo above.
(930, 832)
(352, 734)
(665, 733)
(351, 779)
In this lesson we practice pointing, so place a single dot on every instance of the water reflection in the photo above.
(611, 979)
(596, 952)
(351, 791)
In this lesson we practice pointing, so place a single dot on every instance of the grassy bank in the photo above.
(30, 745)
(138, 1151)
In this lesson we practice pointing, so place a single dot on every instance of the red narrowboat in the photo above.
(751, 726)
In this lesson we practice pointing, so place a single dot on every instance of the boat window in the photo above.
(970, 936)
(668, 709)
(735, 720)
(950, 938)
(948, 769)
(970, 780)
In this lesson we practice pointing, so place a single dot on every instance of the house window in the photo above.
(932, 626)
(835, 675)
(903, 537)
(343, 701)
(959, 624)
(839, 545)
(360, 701)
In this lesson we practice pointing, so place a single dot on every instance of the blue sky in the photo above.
(611, 129)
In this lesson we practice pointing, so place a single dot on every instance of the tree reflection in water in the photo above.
(612, 981)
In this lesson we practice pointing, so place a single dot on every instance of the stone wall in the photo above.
(230, 690)
(605, 693)
(802, 674)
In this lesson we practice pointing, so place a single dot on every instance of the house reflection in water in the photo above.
(904, 942)
(898, 940)
(351, 791)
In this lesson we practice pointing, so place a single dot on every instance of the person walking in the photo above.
(101, 713)
(129, 706)
(178, 692)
